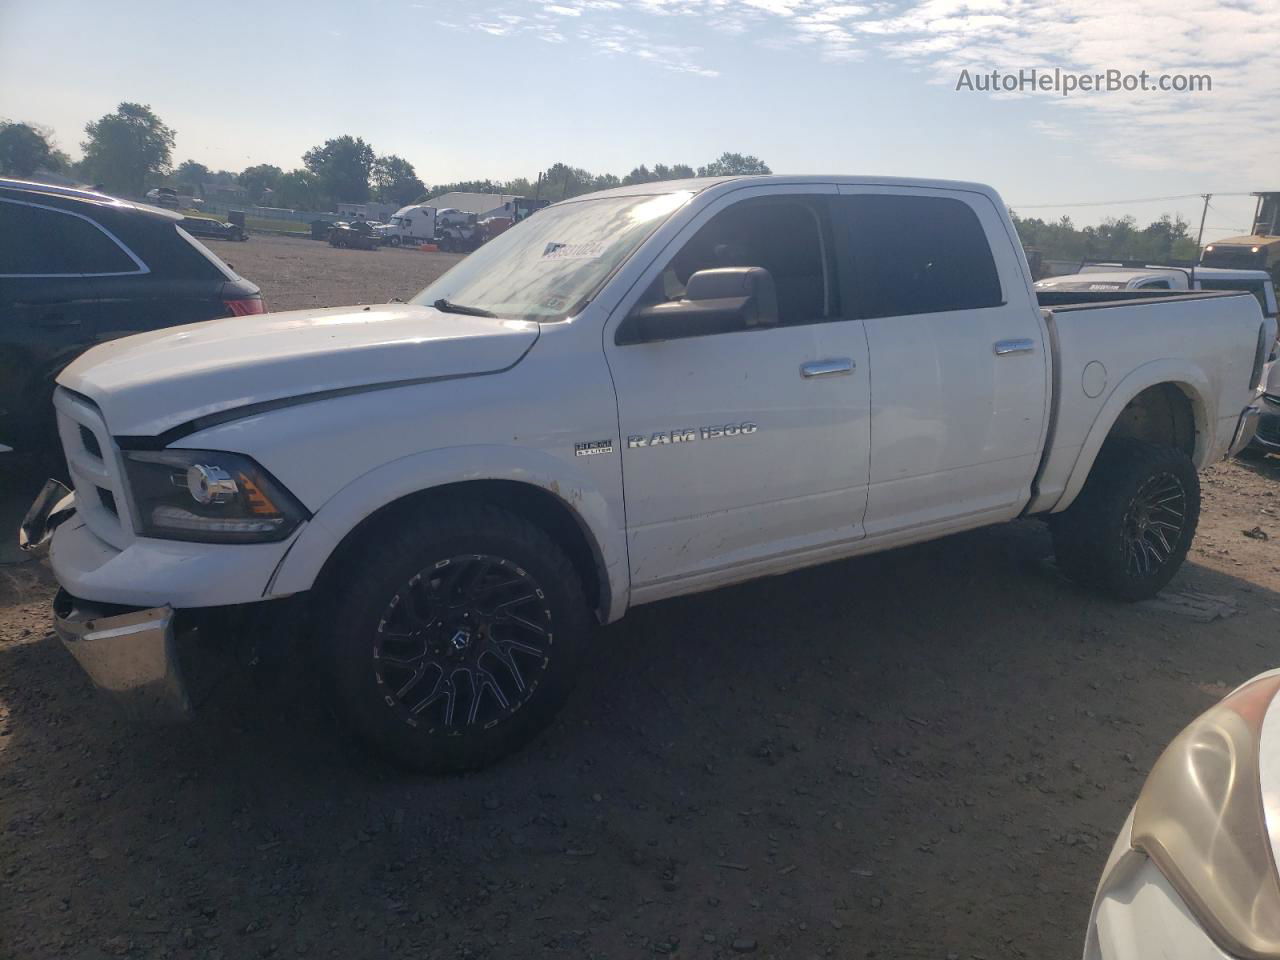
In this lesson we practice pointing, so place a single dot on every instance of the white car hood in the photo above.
(149, 383)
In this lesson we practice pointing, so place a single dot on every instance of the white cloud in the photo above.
(1234, 41)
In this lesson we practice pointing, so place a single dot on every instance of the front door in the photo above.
(746, 447)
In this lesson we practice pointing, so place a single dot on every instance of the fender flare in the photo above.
(1187, 377)
(368, 493)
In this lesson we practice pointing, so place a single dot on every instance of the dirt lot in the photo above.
(920, 754)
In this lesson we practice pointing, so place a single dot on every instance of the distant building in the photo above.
(224, 192)
(481, 204)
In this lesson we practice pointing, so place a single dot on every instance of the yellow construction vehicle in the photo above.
(1260, 250)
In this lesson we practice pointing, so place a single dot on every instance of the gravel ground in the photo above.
(925, 753)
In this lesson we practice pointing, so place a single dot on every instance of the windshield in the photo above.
(548, 266)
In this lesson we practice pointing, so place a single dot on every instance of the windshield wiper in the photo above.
(446, 307)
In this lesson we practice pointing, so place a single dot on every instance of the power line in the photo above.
(1113, 203)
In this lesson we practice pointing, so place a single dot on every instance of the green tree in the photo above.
(299, 190)
(257, 180)
(733, 164)
(190, 176)
(395, 180)
(126, 147)
(24, 149)
(342, 166)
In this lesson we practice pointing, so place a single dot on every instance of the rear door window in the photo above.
(41, 241)
(914, 254)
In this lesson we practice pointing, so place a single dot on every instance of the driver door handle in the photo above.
(835, 367)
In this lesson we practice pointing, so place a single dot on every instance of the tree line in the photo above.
(130, 151)
(1116, 238)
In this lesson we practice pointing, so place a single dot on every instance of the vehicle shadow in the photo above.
(924, 751)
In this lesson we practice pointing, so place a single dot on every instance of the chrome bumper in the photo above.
(131, 655)
(1246, 427)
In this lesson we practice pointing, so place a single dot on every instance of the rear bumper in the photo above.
(130, 654)
(1246, 428)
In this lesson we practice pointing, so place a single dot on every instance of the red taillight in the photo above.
(244, 308)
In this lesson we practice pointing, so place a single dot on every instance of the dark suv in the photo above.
(77, 268)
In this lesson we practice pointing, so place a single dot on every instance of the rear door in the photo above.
(960, 372)
(183, 281)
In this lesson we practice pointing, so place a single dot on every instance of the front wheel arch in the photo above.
(527, 501)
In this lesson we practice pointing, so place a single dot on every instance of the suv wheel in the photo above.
(1131, 526)
(455, 637)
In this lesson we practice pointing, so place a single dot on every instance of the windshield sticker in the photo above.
(573, 251)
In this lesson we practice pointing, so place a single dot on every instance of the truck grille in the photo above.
(97, 472)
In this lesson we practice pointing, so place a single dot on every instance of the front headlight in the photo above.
(1203, 819)
(208, 496)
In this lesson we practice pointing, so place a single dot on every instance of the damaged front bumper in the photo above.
(130, 654)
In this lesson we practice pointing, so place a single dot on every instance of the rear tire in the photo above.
(454, 636)
(1130, 528)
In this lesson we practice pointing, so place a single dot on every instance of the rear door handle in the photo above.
(835, 367)
(1005, 348)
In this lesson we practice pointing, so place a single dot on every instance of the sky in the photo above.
(474, 89)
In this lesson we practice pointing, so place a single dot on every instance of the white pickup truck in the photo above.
(636, 394)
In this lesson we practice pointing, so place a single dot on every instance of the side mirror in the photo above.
(723, 300)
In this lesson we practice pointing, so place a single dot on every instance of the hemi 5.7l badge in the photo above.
(592, 447)
(689, 434)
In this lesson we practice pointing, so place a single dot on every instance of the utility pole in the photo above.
(1203, 213)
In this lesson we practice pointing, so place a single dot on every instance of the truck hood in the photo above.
(149, 383)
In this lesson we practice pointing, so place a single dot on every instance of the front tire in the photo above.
(1130, 528)
(454, 636)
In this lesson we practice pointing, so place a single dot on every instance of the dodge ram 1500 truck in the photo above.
(640, 393)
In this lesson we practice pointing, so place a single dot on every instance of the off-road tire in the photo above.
(1094, 539)
(381, 567)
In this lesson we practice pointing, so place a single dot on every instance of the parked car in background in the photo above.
(1193, 874)
(633, 395)
(1121, 276)
(165, 197)
(78, 268)
(211, 228)
(1267, 439)
(353, 236)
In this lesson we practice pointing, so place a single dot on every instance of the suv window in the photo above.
(788, 236)
(1155, 285)
(37, 240)
(918, 255)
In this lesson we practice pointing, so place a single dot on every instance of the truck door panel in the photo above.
(960, 371)
(732, 452)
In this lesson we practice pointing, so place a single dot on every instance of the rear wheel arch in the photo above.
(1160, 403)
(1165, 414)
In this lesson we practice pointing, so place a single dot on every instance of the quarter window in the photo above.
(41, 241)
(918, 255)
